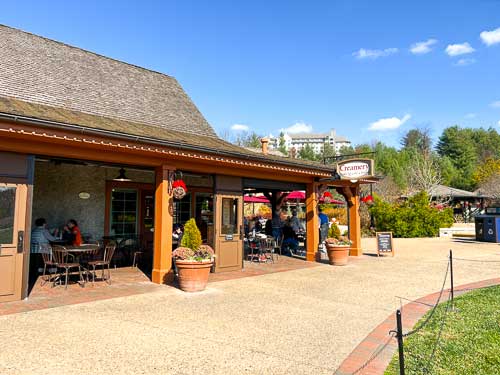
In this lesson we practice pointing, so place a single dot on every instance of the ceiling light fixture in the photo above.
(121, 176)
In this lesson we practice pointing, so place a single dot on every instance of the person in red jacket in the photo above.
(73, 232)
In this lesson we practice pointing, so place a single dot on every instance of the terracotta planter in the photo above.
(338, 254)
(193, 276)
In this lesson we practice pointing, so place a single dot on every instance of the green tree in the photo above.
(391, 162)
(282, 145)
(418, 139)
(448, 171)
(307, 153)
(486, 170)
(487, 143)
(327, 153)
(458, 145)
(346, 150)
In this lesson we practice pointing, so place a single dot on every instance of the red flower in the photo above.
(179, 183)
(367, 199)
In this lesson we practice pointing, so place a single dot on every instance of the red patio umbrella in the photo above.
(254, 199)
(297, 195)
(301, 196)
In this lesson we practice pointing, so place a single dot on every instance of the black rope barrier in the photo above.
(426, 321)
(426, 365)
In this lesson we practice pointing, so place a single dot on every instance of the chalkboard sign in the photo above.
(384, 243)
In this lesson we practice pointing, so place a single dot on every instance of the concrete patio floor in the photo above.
(304, 321)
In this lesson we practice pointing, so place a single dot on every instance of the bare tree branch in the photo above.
(424, 174)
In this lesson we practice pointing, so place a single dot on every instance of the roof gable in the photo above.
(46, 72)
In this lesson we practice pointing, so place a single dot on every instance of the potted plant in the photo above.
(337, 246)
(193, 259)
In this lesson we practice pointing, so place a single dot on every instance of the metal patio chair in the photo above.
(278, 243)
(266, 249)
(105, 262)
(254, 251)
(48, 263)
(63, 259)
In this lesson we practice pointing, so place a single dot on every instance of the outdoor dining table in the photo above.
(81, 251)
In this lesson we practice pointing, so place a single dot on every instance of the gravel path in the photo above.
(299, 322)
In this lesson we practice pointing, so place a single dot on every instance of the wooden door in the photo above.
(229, 239)
(13, 203)
(147, 219)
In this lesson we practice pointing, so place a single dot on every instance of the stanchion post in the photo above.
(451, 277)
(400, 343)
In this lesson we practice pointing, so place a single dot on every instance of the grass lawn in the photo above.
(470, 339)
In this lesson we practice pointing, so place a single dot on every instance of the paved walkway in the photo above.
(304, 321)
(130, 281)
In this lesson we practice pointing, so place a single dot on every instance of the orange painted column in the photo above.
(355, 223)
(312, 222)
(162, 258)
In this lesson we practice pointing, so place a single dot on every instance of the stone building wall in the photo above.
(56, 189)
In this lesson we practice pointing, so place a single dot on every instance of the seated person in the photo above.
(72, 234)
(269, 227)
(295, 222)
(290, 241)
(276, 225)
(40, 235)
(40, 242)
(177, 235)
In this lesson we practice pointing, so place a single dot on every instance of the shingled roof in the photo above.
(43, 71)
(48, 80)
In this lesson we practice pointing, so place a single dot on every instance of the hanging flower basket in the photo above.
(179, 189)
(368, 199)
(327, 197)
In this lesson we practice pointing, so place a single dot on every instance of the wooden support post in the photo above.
(162, 259)
(312, 222)
(355, 222)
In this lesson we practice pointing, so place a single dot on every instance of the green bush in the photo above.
(334, 231)
(411, 218)
(192, 235)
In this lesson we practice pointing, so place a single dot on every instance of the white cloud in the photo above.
(465, 61)
(459, 49)
(239, 128)
(470, 115)
(495, 104)
(490, 37)
(374, 53)
(498, 122)
(298, 127)
(421, 48)
(389, 123)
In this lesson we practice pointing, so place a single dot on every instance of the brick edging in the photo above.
(411, 313)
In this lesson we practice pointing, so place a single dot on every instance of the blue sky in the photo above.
(270, 65)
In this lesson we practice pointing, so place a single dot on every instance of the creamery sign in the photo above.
(354, 169)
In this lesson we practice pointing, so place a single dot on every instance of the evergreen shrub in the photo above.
(411, 218)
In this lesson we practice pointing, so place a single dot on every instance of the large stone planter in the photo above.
(193, 276)
(338, 255)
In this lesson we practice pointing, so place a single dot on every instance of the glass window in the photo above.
(7, 211)
(204, 213)
(123, 212)
(229, 216)
(182, 209)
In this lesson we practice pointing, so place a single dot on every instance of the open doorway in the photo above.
(107, 203)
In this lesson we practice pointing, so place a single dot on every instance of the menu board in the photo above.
(384, 243)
